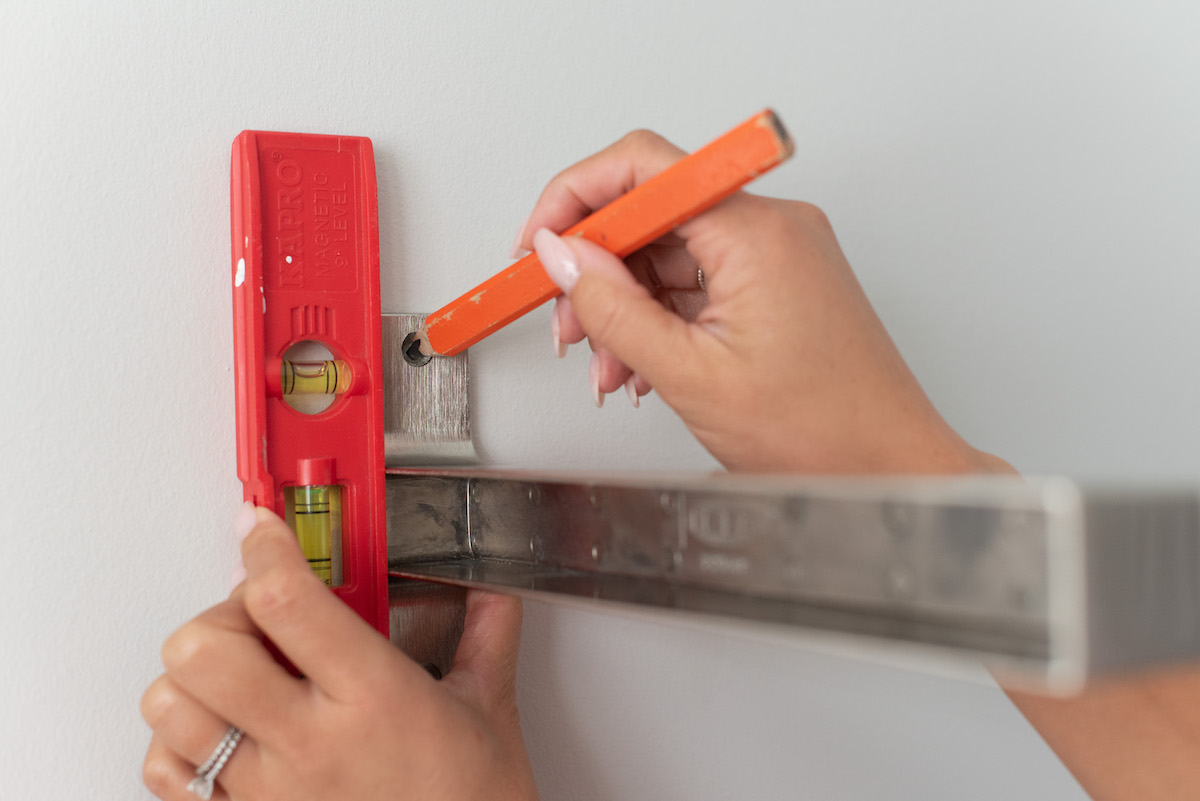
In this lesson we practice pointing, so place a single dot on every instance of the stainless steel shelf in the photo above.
(1045, 579)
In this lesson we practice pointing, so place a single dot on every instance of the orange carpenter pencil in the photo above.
(691, 185)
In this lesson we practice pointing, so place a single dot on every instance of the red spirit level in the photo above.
(307, 323)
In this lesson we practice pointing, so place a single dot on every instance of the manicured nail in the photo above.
(594, 380)
(517, 250)
(631, 391)
(560, 347)
(557, 258)
(246, 520)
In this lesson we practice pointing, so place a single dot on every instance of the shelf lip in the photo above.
(887, 623)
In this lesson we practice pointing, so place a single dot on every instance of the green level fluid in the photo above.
(315, 514)
(331, 377)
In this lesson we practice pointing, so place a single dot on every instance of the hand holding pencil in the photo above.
(777, 364)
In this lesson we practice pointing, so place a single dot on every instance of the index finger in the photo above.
(324, 638)
(598, 180)
(716, 222)
(220, 660)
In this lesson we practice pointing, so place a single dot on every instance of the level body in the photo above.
(305, 271)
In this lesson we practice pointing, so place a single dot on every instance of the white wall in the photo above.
(1015, 182)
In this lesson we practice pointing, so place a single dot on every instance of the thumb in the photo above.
(487, 650)
(616, 311)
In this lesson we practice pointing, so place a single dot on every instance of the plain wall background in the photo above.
(1017, 185)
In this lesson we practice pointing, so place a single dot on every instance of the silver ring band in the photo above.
(700, 279)
(206, 774)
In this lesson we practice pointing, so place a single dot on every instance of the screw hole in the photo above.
(410, 348)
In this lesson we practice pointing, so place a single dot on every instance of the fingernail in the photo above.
(246, 520)
(517, 251)
(557, 258)
(560, 348)
(594, 380)
(631, 391)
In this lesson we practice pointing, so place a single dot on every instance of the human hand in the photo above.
(1126, 736)
(784, 367)
(365, 723)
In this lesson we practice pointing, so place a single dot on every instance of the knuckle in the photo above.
(785, 212)
(184, 646)
(813, 215)
(274, 593)
(157, 775)
(646, 144)
(157, 702)
(785, 222)
(642, 138)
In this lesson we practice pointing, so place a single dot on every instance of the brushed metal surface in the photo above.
(1045, 578)
(1143, 556)
(426, 410)
(427, 421)
(426, 621)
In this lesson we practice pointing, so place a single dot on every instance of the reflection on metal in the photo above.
(426, 408)
(1044, 578)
